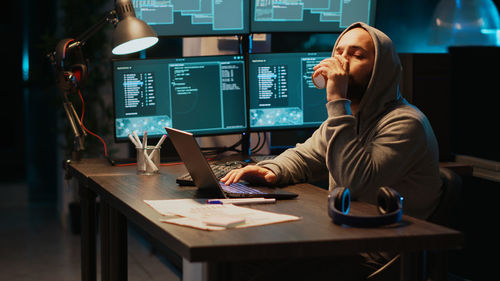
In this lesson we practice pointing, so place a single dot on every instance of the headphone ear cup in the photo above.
(339, 201)
(80, 73)
(342, 198)
(388, 200)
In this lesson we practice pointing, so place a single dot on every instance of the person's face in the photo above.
(357, 47)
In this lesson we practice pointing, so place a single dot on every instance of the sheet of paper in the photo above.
(174, 206)
(192, 213)
(189, 222)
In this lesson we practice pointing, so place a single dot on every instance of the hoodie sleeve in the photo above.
(306, 161)
(300, 164)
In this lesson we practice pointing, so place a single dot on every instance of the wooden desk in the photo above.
(82, 171)
(123, 192)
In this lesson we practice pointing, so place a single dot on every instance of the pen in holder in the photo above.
(148, 160)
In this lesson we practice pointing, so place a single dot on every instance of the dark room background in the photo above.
(34, 124)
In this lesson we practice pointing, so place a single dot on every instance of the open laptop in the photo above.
(203, 176)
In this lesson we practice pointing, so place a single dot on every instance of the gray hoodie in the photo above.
(387, 143)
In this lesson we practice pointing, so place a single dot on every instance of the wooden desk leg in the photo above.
(117, 246)
(88, 232)
(194, 271)
(104, 233)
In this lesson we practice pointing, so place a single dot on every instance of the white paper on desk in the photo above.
(193, 213)
(174, 206)
(191, 223)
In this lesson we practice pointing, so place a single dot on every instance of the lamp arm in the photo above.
(110, 18)
(74, 121)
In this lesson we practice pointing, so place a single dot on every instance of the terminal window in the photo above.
(309, 15)
(139, 93)
(281, 92)
(194, 17)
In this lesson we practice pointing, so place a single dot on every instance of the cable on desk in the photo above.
(161, 164)
(111, 162)
(87, 130)
(125, 164)
(220, 149)
(258, 147)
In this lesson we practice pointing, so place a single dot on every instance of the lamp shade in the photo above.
(132, 35)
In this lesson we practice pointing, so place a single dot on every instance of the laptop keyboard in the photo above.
(239, 188)
(258, 158)
(219, 169)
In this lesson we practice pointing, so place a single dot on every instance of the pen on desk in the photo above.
(157, 146)
(131, 138)
(242, 201)
(150, 161)
(160, 142)
(137, 138)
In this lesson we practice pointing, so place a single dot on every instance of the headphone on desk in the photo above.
(389, 205)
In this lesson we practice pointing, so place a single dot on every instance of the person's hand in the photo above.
(336, 71)
(250, 173)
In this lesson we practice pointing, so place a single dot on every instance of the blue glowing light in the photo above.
(26, 61)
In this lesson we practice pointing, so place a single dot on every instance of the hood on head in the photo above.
(383, 88)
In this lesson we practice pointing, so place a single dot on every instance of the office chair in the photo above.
(446, 215)
(451, 188)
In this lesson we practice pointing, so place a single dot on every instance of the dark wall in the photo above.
(28, 141)
(11, 142)
(407, 23)
(426, 83)
(475, 100)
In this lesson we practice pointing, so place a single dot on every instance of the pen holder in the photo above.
(148, 160)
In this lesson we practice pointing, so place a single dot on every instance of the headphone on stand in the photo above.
(69, 60)
(389, 205)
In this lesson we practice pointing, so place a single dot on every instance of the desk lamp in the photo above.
(129, 36)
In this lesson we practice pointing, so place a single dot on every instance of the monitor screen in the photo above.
(194, 17)
(281, 92)
(202, 95)
(309, 15)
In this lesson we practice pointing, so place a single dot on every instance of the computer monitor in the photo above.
(281, 92)
(194, 17)
(202, 95)
(309, 15)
